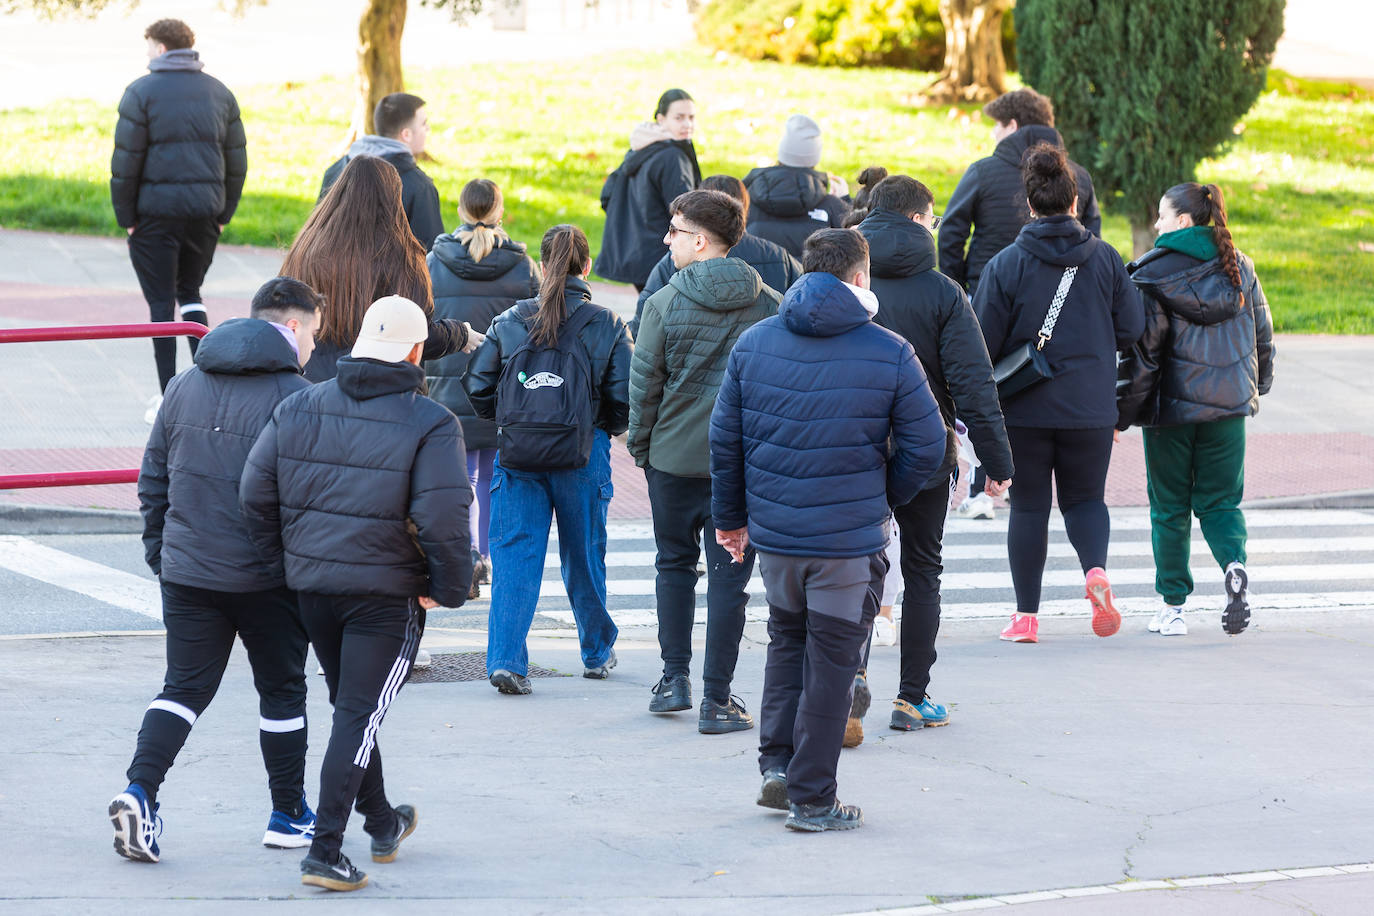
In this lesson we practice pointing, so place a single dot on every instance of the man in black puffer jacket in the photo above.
(402, 126)
(357, 485)
(933, 314)
(214, 584)
(775, 264)
(793, 199)
(175, 178)
(990, 197)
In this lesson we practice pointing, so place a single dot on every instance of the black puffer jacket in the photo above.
(991, 198)
(1101, 315)
(475, 292)
(188, 487)
(419, 197)
(636, 197)
(787, 204)
(446, 337)
(933, 314)
(1207, 352)
(605, 337)
(180, 151)
(775, 265)
(360, 483)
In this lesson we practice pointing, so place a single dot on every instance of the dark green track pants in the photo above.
(1194, 469)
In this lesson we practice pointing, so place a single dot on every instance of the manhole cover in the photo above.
(465, 666)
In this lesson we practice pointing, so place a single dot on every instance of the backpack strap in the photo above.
(584, 315)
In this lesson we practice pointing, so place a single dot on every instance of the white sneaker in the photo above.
(884, 631)
(154, 404)
(979, 506)
(1174, 624)
(1160, 616)
(422, 659)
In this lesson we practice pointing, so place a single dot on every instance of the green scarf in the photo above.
(1195, 241)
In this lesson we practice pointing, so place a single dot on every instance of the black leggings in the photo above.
(1078, 459)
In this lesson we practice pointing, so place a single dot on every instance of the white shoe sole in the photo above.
(1171, 630)
(274, 840)
(128, 829)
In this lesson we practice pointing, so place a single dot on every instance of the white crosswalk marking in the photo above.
(1299, 560)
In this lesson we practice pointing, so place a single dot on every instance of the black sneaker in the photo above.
(863, 698)
(717, 719)
(510, 683)
(815, 818)
(672, 694)
(385, 850)
(1236, 617)
(601, 671)
(773, 792)
(341, 876)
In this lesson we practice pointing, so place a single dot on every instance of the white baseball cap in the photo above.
(392, 326)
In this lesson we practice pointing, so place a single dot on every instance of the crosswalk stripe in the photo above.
(94, 580)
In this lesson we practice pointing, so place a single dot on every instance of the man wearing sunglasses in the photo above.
(686, 333)
(933, 313)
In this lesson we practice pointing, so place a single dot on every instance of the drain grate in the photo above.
(465, 666)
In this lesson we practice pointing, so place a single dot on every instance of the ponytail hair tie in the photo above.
(1207, 191)
(478, 224)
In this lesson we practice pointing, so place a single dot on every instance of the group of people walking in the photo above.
(802, 373)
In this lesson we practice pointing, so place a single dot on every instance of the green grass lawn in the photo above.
(1300, 180)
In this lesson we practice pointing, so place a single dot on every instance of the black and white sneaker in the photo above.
(1236, 617)
(816, 818)
(510, 683)
(385, 850)
(773, 792)
(341, 876)
(719, 719)
(601, 671)
(136, 825)
(671, 694)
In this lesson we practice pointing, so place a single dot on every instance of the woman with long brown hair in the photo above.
(357, 247)
(1206, 357)
(561, 327)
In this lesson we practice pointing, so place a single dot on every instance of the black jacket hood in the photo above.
(784, 190)
(1058, 240)
(1196, 290)
(454, 255)
(1012, 148)
(897, 247)
(243, 346)
(363, 379)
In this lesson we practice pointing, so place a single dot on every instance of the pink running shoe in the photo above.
(1023, 628)
(1106, 618)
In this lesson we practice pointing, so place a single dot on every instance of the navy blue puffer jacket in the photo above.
(801, 429)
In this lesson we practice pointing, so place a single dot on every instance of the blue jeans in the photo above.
(523, 504)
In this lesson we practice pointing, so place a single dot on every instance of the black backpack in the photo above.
(544, 401)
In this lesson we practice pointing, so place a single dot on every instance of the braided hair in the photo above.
(1205, 204)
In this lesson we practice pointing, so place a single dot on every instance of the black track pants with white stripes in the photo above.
(366, 645)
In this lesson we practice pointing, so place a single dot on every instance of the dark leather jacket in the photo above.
(605, 337)
(1207, 352)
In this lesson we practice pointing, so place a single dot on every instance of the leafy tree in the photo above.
(1143, 93)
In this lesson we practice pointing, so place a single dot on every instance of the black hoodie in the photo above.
(475, 292)
(193, 533)
(636, 197)
(1101, 315)
(359, 486)
(1208, 348)
(991, 198)
(787, 204)
(932, 312)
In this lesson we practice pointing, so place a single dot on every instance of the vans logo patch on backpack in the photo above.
(541, 380)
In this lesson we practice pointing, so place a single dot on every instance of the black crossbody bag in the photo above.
(1027, 365)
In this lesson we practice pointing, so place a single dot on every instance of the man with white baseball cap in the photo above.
(363, 459)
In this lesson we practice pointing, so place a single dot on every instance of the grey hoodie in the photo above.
(685, 337)
(179, 59)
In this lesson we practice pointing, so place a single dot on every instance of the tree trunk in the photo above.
(1143, 232)
(379, 61)
(975, 70)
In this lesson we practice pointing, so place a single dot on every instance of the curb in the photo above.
(1348, 499)
(24, 519)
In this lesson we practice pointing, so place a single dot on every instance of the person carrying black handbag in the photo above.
(1061, 416)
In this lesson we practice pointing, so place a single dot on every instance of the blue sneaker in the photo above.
(287, 832)
(136, 825)
(908, 717)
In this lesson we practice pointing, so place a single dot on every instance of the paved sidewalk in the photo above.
(1137, 758)
(80, 405)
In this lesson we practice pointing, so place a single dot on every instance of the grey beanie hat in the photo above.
(801, 143)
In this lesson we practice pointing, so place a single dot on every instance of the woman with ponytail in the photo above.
(525, 500)
(1199, 370)
(1061, 426)
(477, 272)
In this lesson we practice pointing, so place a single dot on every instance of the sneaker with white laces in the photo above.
(884, 631)
(1174, 624)
(977, 506)
(1160, 616)
(287, 832)
(1236, 617)
(136, 825)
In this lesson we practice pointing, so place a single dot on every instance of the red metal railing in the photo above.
(89, 332)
